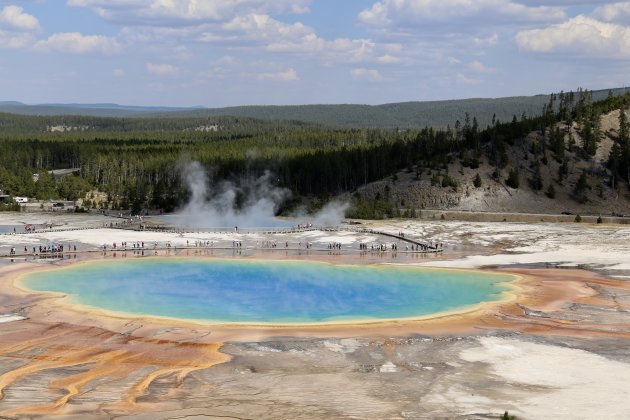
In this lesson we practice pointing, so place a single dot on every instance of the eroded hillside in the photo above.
(548, 179)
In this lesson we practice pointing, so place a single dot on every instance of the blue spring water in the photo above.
(263, 291)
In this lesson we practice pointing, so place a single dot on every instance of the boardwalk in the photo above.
(417, 246)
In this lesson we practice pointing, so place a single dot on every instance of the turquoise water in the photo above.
(262, 291)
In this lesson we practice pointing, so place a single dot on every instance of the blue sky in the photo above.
(239, 52)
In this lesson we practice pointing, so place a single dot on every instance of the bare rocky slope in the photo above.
(409, 190)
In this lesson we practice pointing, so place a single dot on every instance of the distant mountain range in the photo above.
(94, 110)
(394, 115)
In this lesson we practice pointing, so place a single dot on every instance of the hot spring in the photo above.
(263, 291)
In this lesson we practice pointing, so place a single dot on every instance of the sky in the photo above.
(243, 52)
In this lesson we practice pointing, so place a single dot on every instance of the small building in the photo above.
(20, 199)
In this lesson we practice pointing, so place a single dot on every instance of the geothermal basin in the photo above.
(267, 292)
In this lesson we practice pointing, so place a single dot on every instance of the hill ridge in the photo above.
(402, 115)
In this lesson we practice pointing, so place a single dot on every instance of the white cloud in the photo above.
(14, 18)
(616, 12)
(161, 69)
(17, 28)
(349, 49)
(256, 31)
(15, 40)
(173, 11)
(367, 74)
(393, 13)
(486, 41)
(300, 8)
(228, 24)
(278, 37)
(118, 72)
(264, 28)
(281, 76)
(481, 68)
(582, 36)
(388, 59)
(77, 43)
(563, 2)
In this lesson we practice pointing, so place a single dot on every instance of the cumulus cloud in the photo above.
(388, 59)
(481, 68)
(15, 40)
(17, 28)
(161, 69)
(616, 12)
(581, 35)
(77, 43)
(257, 27)
(14, 18)
(486, 41)
(278, 37)
(256, 31)
(412, 12)
(281, 76)
(371, 75)
(178, 11)
(563, 2)
(342, 48)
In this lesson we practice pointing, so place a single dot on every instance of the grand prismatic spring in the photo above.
(261, 291)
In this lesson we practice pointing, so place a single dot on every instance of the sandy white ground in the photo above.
(571, 244)
(580, 385)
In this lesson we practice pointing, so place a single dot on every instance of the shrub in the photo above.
(580, 189)
(477, 181)
(513, 179)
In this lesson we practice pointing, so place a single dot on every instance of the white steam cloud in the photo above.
(332, 214)
(252, 202)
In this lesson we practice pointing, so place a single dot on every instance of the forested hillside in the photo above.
(137, 162)
(29, 125)
(437, 114)
(573, 160)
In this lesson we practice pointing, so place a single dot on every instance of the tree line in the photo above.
(138, 162)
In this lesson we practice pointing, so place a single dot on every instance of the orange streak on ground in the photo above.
(104, 354)
(182, 369)
(116, 348)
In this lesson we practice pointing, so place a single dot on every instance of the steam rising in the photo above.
(332, 214)
(253, 202)
(250, 202)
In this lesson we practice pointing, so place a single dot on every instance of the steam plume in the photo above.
(251, 202)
